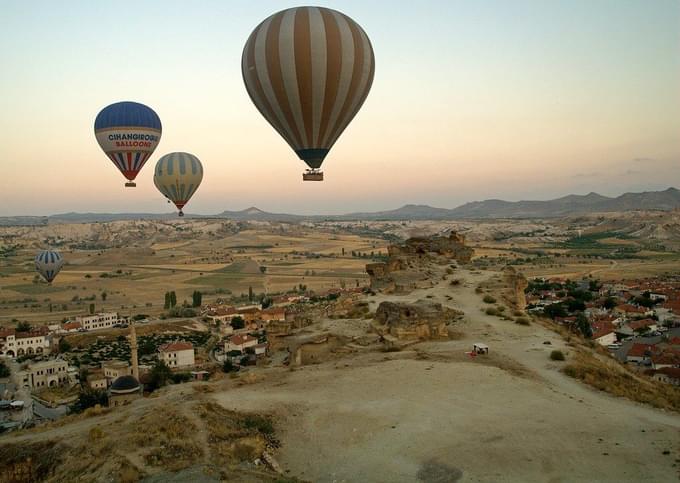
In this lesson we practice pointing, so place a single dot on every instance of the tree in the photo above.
(64, 345)
(90, 398)
(555, 310)
(266, 302)
(263, 269)
(228, 366)
(237, 322)
(583, 325)
(166, 305)
(250, 293)
(609, 303)
(173, 299)
(104, 295)
(197, 298)
(23, 327)
(4, 370)
(159, 376)
(91, 309)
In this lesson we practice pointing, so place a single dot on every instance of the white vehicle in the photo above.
(614, 346)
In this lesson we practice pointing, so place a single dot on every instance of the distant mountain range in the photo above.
(568, 205)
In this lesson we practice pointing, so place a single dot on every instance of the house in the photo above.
(639, 353)
(240, 342)
(96, 379)
(665, 357)
(604, 332)
(277, 314)
(669, 375)
(114, 369)
(104, 320)
(177, 354)
(44, 374)
(261, 349)
(14, 344)
(71, 327)
(642, 325)
(628, 310)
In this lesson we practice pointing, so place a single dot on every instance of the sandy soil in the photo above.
(432, 414)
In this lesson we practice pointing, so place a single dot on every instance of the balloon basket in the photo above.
(312, 176)
(181, 213)
(130, 184)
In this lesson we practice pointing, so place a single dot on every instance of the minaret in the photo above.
(133, 351)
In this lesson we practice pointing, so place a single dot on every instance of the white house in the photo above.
(44, 374)
(239, 342)
(13, 343)
(104, 320)
(177, 354)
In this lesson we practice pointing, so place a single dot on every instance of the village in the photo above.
(53, 375)
(638, 320)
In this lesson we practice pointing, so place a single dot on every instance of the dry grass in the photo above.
(611, 377)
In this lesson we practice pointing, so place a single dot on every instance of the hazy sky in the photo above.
(471, 100)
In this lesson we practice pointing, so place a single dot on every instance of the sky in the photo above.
(471, 100)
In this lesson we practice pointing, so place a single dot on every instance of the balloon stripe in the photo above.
(347, 68)
(318, 70)
(360, 75)
(304, 73)
(289, 75)
(333, 67)
(262, 72)
(273, 58)
(255, 91)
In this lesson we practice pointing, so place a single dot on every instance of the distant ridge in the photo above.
(567, 205)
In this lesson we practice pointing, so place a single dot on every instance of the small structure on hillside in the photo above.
(480, 348)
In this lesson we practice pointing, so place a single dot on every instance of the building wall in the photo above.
(45, 374)
(98, 321)
(607, 339)
(18, 346)
(183, 358)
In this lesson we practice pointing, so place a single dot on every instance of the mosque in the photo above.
(127, 388)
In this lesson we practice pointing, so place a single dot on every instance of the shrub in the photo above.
(522, 321)
(557, 355)
(478, 290)
(491, 311)
(259, 423)
(500, 308)
(489, 299)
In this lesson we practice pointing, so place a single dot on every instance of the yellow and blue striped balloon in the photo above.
(177, 176)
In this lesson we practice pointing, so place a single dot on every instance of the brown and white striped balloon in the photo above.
(308, 71)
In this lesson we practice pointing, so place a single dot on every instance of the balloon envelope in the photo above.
(177, 176)
(48, 263)
(128, 132)
(308, 71)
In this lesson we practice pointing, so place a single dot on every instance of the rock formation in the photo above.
(514, 285)
(402, 271)
(420, 320)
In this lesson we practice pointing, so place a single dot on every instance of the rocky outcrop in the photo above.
(514, 285)
(420, 320)
(452, 247)
(402, 271)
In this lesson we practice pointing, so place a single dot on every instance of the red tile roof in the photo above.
(640, 350)
(602, 328)
(176, 346)
(673, 372)
(71, 325)
(241, 339)
(639, 324)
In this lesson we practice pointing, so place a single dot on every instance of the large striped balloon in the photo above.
(177, 176)
(308, 70)
(128, 132)
(48, 263)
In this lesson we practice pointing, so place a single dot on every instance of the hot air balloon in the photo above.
(177, 176)
(128, 132)
(308, 70)
(48, 263)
